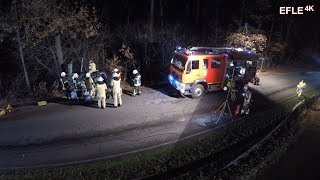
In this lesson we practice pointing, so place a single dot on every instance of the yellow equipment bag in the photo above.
(42, 103)
(5, 110)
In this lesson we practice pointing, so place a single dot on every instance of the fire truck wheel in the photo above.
(197, 91)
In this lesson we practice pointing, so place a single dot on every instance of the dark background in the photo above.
(196, 21)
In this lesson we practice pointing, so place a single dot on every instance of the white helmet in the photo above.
(115, 70)
(114, 75)
(88, 75)
(100, 79)
(63, 74)
(135, 71)
(245, 88)
(242, 71)
(75, 76)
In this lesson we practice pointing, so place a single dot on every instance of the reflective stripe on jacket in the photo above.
(302, 85)
(137, 80)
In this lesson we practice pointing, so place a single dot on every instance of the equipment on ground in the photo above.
(42, 103)
(7, 109)
(225, 104)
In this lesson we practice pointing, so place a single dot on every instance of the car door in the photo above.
(192, 71)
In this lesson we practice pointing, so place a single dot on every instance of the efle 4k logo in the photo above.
(296, 10)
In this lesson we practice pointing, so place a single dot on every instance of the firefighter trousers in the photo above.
(136, 90)
(102, 102)
(117, 99)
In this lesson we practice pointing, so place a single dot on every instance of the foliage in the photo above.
(113, 63)
(41, 92)
(44, 18)
(248, 38)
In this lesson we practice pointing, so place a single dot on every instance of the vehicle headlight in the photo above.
(170, 77)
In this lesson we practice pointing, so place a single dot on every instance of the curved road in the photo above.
(57, 133)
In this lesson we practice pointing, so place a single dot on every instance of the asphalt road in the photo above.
(57, 133)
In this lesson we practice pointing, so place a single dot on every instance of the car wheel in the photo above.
(197, 91)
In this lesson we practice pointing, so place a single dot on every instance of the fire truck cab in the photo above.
(195, 70)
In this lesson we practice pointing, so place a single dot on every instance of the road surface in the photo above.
(58, 134)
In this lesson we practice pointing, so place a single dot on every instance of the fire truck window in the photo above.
(195, 64)
(205, 64)
(249, 64)
(215, 63)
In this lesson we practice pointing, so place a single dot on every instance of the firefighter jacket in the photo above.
(89, 83)
(115, 83)
(92, 67)
(302, 84)
(101, 90)
(64, 83)
(137, 80)
(76, 84)
(247, 98)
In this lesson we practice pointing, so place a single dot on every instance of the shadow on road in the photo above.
(208, 104)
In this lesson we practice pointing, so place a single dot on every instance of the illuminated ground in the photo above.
(60, 133)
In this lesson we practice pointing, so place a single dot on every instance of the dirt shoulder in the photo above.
(289, 68)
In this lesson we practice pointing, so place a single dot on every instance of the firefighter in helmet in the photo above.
(92, 67)
(116, 90)
(247, 99)
(256, 79)
(136, 82)
(116, 71)
(101, 93)
(89, 84)
(76, 86)
(65, 84)
(300, 87)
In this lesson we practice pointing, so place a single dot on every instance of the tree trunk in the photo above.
(57, 41)
(197, 13)
(269, 38)
(151, 19)
(161, 12)
(23, 63)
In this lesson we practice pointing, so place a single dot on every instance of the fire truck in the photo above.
(195, 70)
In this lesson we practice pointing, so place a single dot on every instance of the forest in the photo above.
(39, 38)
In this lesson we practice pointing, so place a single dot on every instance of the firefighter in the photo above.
(92, 67)
(65, 84)
(256, 79)
(136, 82)
(116, 90)
(89, 84)
(101, 93)
(247, 99)
(116, 70)
(300, 87)
(76, 86)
